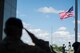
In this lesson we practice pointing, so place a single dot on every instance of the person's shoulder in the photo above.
(78, 50)
(38, 49)
(33, 49)
(2, 46)
(2, 43)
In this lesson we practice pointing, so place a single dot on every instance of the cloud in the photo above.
(27, 26)
(20, 14)
(59, 37)
(62, 28)
(77, 21)
(79, 34)
(62, 36)
(61, 32)
(35, 30)
(40, 34)
(49, 10)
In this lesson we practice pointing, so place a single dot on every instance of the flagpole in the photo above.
(76, 18)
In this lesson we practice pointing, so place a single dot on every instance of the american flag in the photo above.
(67, 14)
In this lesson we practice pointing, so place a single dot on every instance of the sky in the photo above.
(41, 17)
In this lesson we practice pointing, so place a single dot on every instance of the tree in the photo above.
(57, 48)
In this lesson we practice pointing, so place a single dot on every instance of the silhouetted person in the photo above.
(13, 43)
(39, 42)
(69, 47)
(78, 51)
(76, 46)
(63, 48)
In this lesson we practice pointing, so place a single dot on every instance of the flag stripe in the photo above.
(67, 14)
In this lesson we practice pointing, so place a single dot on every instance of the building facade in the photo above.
(7, 9)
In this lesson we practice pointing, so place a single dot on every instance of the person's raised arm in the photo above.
(34, 39)
(39, 42)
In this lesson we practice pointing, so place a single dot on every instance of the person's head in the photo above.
(69, 42)
(13, 27)
(63, 44)
(76, 46)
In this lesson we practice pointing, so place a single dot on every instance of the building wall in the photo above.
(8, 10)
(1, 17)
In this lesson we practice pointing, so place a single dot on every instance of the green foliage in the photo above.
(57, 48)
